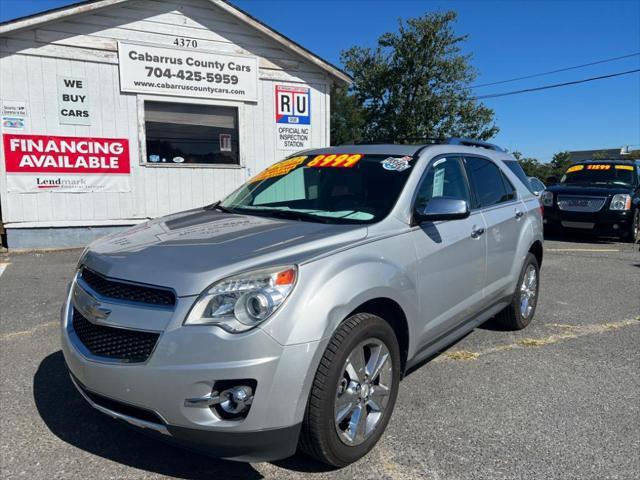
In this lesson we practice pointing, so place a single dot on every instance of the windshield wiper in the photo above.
(291, 215)
(217, 206)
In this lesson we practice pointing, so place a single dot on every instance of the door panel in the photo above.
(451, 267)
(451, 263)
(496, 197)
(503, 232)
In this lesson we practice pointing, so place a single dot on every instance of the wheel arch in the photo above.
(392, 313)
(537, 250)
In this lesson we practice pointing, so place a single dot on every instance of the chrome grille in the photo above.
(571, 203)
(127, 291)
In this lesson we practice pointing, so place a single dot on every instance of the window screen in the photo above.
(488, 183)
(181, 133)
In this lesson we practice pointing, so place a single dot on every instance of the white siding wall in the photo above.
(86, 46)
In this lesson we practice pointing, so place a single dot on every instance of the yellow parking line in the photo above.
(582, 250)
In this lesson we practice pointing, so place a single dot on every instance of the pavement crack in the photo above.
(569, 332)
(22, 333)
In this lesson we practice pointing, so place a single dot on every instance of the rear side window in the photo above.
(489, 185)
(516, 168)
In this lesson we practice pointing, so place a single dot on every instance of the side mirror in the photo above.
(442, 208)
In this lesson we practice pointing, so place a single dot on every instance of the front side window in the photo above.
(536, 185)
(489, 185)
(328, 188)
(445, 178)
(180, 133)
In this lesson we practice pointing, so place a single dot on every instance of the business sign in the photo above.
(187, 73)
(293, 117)
(73, 101)
(37, 163)
(13, 108)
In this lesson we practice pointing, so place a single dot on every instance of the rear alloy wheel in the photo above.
(634, 234)
(354, 391)
(525, 299)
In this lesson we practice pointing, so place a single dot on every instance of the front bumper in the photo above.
(604, 222)
(185, 364)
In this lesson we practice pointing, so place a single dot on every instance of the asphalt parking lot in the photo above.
(560, 399)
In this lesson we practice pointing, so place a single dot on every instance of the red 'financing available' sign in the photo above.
(66, 164)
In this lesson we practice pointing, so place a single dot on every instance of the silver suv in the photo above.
(285, 315)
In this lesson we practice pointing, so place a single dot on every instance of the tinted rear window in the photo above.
(489, 185)
(516, 168)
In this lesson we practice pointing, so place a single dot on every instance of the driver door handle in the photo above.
(477, 232)
(519, 214)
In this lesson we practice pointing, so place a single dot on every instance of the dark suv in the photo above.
(598, 196)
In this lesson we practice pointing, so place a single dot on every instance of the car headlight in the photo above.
(243, 301)
(620, 201)
(547, 198)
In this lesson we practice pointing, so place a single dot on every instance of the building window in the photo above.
(180, 133)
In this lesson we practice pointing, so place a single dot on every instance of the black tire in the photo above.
(319, 436)
(634, 232)
(512, 317)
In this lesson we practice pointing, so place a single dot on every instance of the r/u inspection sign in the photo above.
(293, 117)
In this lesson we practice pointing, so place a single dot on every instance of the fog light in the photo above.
(229, 399)
(236, 400)
(615, 226)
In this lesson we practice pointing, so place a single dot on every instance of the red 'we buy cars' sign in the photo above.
(36, 163)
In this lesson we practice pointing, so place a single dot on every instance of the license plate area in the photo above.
(581, 225)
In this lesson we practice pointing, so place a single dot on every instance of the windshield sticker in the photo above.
(624, 167)
(598, 167)
(278, 169)
(396, 164)
(575, 168)
(438, 183)
(345, 160)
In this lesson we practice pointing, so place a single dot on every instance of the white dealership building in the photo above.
(115, 111)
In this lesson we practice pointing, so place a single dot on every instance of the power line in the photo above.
(556, 85)
(558, 70)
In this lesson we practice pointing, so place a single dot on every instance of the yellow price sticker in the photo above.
(598, 167)
(624, 167)
(575, 168)
(279, 169)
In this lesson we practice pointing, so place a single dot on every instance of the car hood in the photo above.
(588, 190)
(190, 250)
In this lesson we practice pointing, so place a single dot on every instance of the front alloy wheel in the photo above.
(363, 391)
(354, 391)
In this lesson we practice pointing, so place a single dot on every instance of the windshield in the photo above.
(328, 188)
(599, 174)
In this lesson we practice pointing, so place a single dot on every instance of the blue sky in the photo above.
(507, 39)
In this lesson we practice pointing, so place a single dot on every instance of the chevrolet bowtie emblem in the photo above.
(88, 305)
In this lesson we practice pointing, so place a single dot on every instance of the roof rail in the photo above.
(469, 142)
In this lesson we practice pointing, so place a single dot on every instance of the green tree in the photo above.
(347, 117)
(414, 84)
(560, 162)
(532, 167)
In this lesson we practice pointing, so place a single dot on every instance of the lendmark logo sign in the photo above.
(72, 164)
